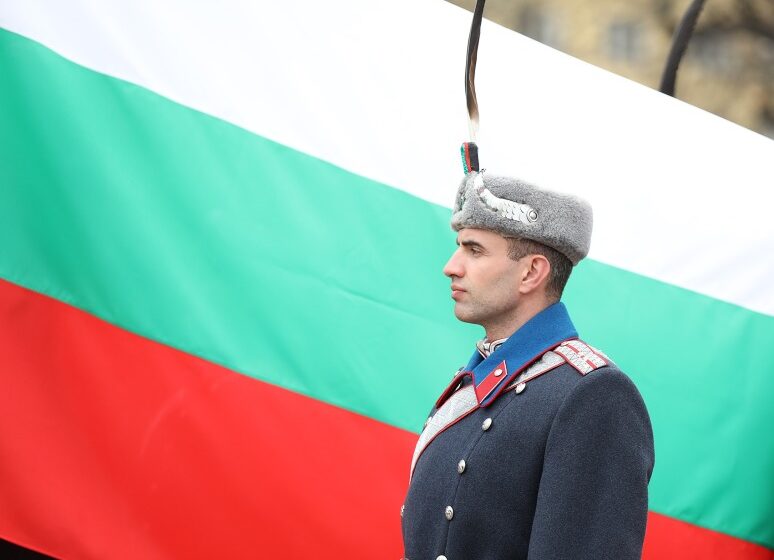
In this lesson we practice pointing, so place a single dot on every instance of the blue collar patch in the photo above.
(544, 331)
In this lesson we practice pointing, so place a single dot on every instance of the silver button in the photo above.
(461, 466)
(520, 388)
(498, 372)
(441, 557)
(487, 424)
(449, 512)
(402, 509)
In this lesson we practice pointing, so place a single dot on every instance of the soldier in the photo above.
(540, 448)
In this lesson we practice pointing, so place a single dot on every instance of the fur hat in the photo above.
(508, 206)
(514, 208)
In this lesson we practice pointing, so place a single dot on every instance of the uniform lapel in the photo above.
(489, 377)
(537, 336)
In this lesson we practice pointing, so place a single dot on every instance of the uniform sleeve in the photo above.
(593, 496)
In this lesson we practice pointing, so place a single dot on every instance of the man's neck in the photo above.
(509, 325)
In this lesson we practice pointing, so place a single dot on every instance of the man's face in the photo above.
(484, 279)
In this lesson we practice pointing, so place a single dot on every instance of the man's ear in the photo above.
(535, 274)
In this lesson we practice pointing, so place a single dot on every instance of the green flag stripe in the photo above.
(198, 234)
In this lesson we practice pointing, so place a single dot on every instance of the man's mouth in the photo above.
(456, 292)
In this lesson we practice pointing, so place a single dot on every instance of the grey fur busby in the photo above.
(514, 208)
(508, 206)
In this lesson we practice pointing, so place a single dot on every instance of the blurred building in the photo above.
(727, 70)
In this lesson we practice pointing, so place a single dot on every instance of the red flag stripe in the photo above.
(116, 446)
(667, 538)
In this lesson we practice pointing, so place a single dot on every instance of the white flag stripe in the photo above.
(376, 88)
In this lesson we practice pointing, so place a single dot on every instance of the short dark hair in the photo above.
(561, 267)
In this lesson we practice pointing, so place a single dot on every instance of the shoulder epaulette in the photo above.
(548, 361)
(581, 356)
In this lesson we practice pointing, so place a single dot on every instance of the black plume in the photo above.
(470, 67)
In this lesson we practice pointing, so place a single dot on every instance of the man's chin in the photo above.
(464, 315)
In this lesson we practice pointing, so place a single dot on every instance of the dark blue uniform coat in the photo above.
(551, 464)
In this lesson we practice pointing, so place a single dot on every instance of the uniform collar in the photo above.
(540, 334)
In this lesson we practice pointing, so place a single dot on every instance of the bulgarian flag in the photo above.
(222, 313)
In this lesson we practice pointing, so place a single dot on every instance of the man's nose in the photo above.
(454, 265)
